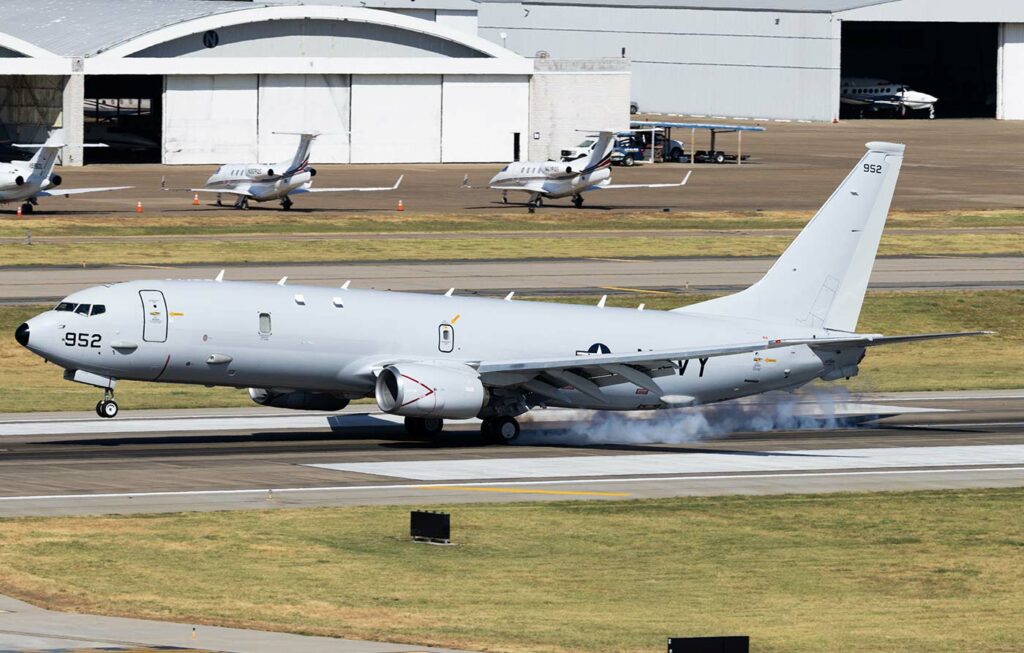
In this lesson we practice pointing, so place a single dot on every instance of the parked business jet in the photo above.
(555, 179)
(430, 358)
(27, 181)
(879, 93)
(262, 182)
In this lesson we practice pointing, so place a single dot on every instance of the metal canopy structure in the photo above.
(713, 128)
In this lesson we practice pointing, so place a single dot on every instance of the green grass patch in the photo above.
(914, 572)
(213, 223)
(990, 362)
(474, 248)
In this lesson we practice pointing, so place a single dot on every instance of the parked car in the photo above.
(628, 150)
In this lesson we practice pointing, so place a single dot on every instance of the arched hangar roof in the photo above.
(104, 28)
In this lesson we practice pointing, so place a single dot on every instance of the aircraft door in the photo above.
(154, 316)
(446, 338)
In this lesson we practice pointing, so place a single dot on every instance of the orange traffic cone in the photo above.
(401, 207)
(138, 206)
(19, 210)
(195, 199)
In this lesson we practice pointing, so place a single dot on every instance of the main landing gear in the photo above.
(28, 206)
(220, 201)
(242, 203)
(107, 408)
(424, 426)
(286, 203)
(577, 201)
(502, 430)
(535, 200)
(504, 197)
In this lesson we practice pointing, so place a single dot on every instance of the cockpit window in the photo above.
(83, 309)
(66, 306)
(97, 309)
(505, 169)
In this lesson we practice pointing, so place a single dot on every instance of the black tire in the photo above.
(424, 427)
(504, 430)
(577, 201)
(99, 405)
(108, 409)
(628, 161)
(676, 155)
(719, 157)
(26, 208)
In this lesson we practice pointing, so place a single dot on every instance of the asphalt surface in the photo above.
(26, 285)
(950, 164)
(169, 461)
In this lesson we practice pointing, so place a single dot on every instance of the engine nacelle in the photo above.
(297, 399)
(19, 180)
(55, 180)
(420, 390)
(311, 171)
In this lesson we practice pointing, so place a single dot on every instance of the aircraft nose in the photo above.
(21, 334)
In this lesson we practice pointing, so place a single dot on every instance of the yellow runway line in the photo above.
(640, 290)
(512, 490)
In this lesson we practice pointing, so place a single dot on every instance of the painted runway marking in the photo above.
(510, 490)
(689, 463)
(574, 481)
(640, 290)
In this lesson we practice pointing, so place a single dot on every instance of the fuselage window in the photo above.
(97, 309)
(83, 309)
(264, 324)
(66, 306)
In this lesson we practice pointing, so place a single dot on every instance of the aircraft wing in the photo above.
(634, 366)
(222, 191)
(614, 186)
(58, 192)
(363, 189)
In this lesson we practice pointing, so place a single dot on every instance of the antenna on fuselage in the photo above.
(451, 291)
(344, 286)
(508, 297)
(282, 281)
(220, 276)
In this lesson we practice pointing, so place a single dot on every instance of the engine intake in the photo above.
(55, 180)
(419, 390)
(297, 399)
(19, 180)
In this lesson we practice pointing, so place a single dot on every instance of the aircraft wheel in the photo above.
(577, 201)
(503, 430)
(286, 203)
(26, 208)
(99, 408)
(531, 207)
(628, 161)
(107, 408)
(429, 426)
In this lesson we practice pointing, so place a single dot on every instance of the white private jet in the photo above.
(26, 181)
(261, 182)
(586, 171)
(430, 358)
(879, 93)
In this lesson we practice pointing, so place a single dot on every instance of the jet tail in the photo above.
(41, 163)
(600, 156)
(301, 158)
(821, 278)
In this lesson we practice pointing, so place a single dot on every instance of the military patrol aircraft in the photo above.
(882, 94)
(262, 182)
(26, 181)
(555, 179)
(431, 358)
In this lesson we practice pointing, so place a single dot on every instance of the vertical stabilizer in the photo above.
(42, 162)
(600, 156)
(301, 158)
(821, 278)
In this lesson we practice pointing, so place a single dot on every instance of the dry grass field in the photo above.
(923, 572)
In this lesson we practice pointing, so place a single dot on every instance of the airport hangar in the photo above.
(211, 81)
(782, 59)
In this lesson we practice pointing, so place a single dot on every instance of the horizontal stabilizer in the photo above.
(616, 186)
(357, 189)
(58, 192)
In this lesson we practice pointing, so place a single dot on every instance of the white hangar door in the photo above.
(209, 119)
(396, 118)
(304, 103)
(482, 116)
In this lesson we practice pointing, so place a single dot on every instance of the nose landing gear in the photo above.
(107, 408)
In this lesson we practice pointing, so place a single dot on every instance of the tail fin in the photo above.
(41, 163)
(600, 156)
(821, 278)
(301, 158)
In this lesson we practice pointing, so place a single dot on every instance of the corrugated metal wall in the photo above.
(1010, 92)
(481, 114)
(756, 64)
(210, 119)
(304, 103)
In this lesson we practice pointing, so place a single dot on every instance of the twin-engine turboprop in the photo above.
(554, 179)
(26, 181)
(431, 358)
(262, 182)
(882, 94)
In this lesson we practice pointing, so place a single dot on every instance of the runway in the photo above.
(27, 285)
(169, 461)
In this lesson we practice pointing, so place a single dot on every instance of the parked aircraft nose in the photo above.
(21, 334)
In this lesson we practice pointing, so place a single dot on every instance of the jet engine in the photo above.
(19, 180)
(55, 180)
(421, 390)
(297, 399)
(311, 171)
